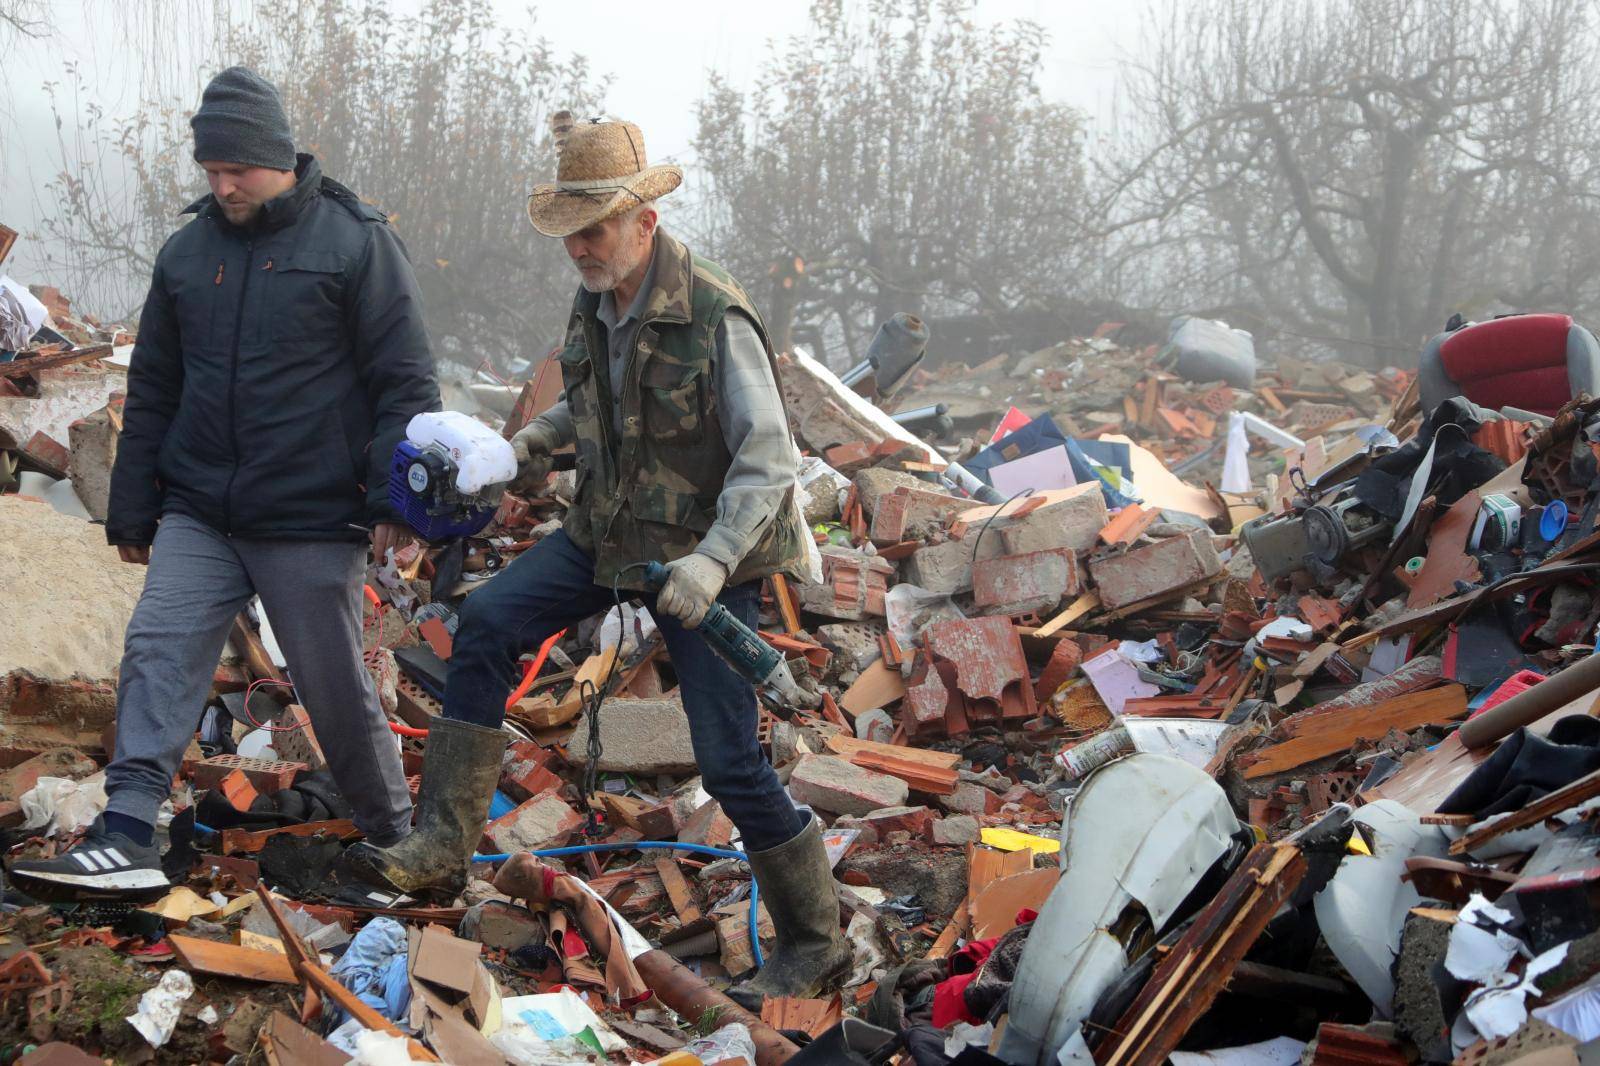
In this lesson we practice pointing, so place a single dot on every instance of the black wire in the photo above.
(592, 698)
(985, 527)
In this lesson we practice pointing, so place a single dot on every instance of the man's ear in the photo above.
(647, 221)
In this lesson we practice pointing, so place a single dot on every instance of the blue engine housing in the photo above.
(429, 503)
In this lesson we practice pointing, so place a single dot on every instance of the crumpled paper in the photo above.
(159, 1008)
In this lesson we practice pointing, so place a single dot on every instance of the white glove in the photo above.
(692, 586)
(532, 446)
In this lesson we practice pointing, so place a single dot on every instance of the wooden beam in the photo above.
(1333, 732)
(324, 983)
(1563, 798)
(1189, 979)
(231, 960)
(786, 605)
(18, 367)
(678, 890)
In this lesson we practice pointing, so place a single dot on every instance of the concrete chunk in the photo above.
(641, 736)
(542, 822)
(1072, 522)
(839, 787)
(945, 568)
(1019, 584)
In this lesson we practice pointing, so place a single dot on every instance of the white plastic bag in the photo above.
(62, 805)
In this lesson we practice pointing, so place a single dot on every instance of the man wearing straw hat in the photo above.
(684, 458)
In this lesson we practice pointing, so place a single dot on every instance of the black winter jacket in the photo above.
(275, 371)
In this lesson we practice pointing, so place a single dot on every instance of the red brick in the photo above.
(1168, 565)
(265, 775)
(877, 825)
(909, 514)
(526, 772)
(238, 791)
(708, 826)
(1064, 662)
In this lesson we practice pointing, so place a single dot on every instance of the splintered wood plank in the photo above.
(1563, 798)
(1187, 981)
(288, 1043)
(847, 746)
(1343, 728)
(921, 777)
(678, 890)
(811, 1016)
(986, 865)
(231, 960)
(787, 607)
(235, 841)
(1074, 611)
(878, 686)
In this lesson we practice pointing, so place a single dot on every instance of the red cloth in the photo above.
(1520, 360)
(949, 996)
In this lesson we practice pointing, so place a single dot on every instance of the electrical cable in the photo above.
(998, 511)
(637, 845)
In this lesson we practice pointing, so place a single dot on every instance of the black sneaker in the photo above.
(102, 866)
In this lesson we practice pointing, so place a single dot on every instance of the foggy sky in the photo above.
(657, 57)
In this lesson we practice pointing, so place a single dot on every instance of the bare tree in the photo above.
(896, 158)
(439, 119)
(24, 18)
(1360, 170)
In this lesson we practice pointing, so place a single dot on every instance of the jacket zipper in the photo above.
(233, 386)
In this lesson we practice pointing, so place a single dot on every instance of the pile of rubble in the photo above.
(1160, 754)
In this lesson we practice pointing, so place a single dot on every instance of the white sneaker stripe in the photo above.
(100, 859)
(117, 856)
(84, 861)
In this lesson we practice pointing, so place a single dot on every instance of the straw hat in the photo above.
(601, 172)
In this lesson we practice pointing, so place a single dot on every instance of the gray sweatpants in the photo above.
(198, 581)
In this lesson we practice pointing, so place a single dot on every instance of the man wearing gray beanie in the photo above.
(281, 353)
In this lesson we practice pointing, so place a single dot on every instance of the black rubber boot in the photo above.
(798, 890)
(459, 772)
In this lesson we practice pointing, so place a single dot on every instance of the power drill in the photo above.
(751, 657)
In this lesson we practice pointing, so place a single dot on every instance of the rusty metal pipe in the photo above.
(1532, 704)
(679, 988)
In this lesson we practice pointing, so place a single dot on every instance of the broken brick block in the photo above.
(57, 762)
(853, 585)
(944, 568)
(1068, 518)
(912, 514)
(526, 772)
(1065, 659)
(971, 798)
(1171, 564)
(296, 741)
(266, 776)
(877, 825)
(840, 787)
(1021, 584)
(542, 822)
(238, 791)
(707, 826)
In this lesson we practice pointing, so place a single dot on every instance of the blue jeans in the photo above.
(550, 587)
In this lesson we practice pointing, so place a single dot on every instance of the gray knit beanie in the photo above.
(241, 120)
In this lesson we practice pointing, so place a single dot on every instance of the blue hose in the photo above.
(637, 845)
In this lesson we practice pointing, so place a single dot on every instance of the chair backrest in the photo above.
(1519, 360)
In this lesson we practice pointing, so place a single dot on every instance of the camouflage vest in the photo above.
(653, 494)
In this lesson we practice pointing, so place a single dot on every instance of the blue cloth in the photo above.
(374, 968)
(551, 587)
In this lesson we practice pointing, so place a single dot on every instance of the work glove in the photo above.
(692, 586)
(532, 446)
